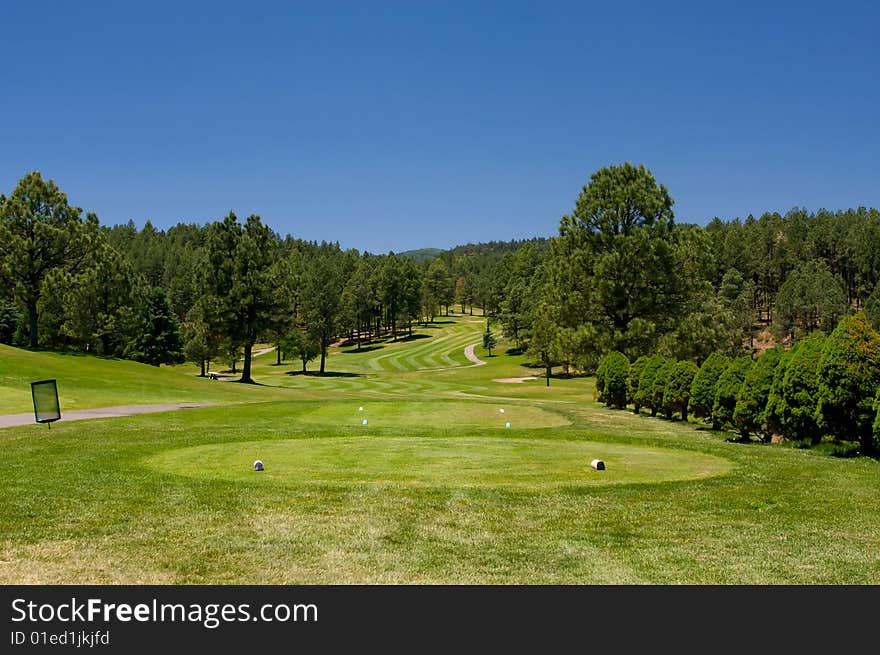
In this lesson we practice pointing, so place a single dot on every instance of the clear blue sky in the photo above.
(398, 125)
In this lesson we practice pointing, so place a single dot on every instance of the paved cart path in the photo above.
(469, 353)
(10, 420)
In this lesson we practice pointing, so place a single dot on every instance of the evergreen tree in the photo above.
(848, 376)
(197, 350)
(9, 319)
(241, 278)
(727, 391)
(877, 421)
(705, 384)
(872, 308)
(321, 299)
(99, 309)
(658, 388)
(358, 300)
(616, 371)
(677, 393)
(622, 216)
(751, 402)
(302, 345)
(40, 233)
(436, 288)
(645, 394)
(795, 402)
(811, 298)
(159, 341)
(489, 341)
(632, 382)
(773, 417)
(543, 344)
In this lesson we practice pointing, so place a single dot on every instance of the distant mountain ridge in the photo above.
(471, 249)
(421, 254)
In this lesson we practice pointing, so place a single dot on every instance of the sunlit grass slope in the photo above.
(86, 382)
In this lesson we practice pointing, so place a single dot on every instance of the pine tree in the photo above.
(848, 376)
(159, 341)
(489, 341)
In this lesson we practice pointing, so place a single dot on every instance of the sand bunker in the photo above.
(514, 380)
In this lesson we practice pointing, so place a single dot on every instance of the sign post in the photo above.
(46, 407)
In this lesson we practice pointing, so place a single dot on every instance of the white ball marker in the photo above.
(364, 422)
(258, 465)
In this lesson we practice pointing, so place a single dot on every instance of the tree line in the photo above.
(822, 387)
(620, 275)
(204, 292)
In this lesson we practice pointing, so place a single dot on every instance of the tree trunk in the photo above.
(304, 365)
(203, 369)
(278, 350)
(323, 357)
(359, 334)
(548, 375)
(246, 367)
(684, 412)
(394, 329)
(32, 321)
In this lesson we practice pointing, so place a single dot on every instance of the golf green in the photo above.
(485, 462)
(437, 415)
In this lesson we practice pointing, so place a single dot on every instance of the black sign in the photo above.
(46, 407)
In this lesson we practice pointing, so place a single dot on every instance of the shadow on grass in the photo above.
(72, 353)
(250, 383)
(325, 374)
(364, 349)
(415, 337)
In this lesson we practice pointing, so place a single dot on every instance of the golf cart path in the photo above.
(469, 353)
(11, 420)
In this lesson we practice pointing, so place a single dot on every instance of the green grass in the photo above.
(433, 490)
(86, 382)
(535, 465)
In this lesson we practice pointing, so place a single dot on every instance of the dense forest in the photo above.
(620, 276)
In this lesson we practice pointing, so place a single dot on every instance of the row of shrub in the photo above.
(821, 387)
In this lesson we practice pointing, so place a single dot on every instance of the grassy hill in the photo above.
(86, 381)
